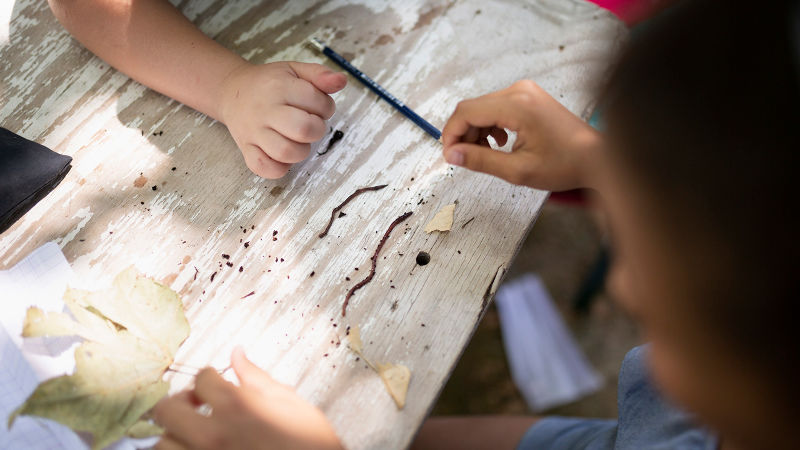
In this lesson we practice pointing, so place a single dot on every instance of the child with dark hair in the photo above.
(697, 177)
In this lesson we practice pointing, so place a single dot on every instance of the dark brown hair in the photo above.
(704, 108)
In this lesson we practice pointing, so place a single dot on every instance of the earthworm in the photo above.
(374, 258)
(347, 200)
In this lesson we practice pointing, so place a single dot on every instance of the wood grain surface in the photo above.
(160, 186)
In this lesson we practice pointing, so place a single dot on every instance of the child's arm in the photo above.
(554, 150)
(260, 413)
(273, 111)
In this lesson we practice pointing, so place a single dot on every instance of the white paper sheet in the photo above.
(546, 364)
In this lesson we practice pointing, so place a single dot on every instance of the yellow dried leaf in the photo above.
(396, 378)
(354, 337)
(443, 220)
(131, 332)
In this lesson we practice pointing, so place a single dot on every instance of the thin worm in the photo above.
(345, 202)
(369, 277)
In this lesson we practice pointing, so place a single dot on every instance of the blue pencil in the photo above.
(376, 88)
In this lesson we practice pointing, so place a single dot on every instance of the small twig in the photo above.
(191, 374)
(249, 294)
(189, 370)
(345, 202)
(467, 223)
(366, 360)
(369, 277)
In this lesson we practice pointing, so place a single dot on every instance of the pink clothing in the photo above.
(632, 11)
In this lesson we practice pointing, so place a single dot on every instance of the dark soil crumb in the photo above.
(337, 136)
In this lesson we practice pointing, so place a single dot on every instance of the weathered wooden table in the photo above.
(163, 187)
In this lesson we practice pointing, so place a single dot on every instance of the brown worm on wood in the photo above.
(374, 258)
(345, 202)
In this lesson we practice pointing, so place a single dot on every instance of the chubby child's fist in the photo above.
(552, 150)
(274, 111)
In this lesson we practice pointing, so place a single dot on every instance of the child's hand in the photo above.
(274, 111)
(259, 414)
(552, 149)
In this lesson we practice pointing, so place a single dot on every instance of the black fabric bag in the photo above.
(28, 172)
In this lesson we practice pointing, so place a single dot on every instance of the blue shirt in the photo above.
(646, 421)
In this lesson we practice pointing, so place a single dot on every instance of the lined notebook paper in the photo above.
(40, 280)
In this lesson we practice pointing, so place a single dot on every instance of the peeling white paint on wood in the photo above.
(436, 53)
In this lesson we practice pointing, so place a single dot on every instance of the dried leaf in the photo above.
(443, 220)
(143, 429)
(131, 332)
(355, 340)
(396, 378)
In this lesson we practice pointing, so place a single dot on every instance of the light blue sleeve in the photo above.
(646, 421)
(567, 433)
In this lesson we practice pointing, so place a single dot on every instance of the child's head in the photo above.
(702, 196)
